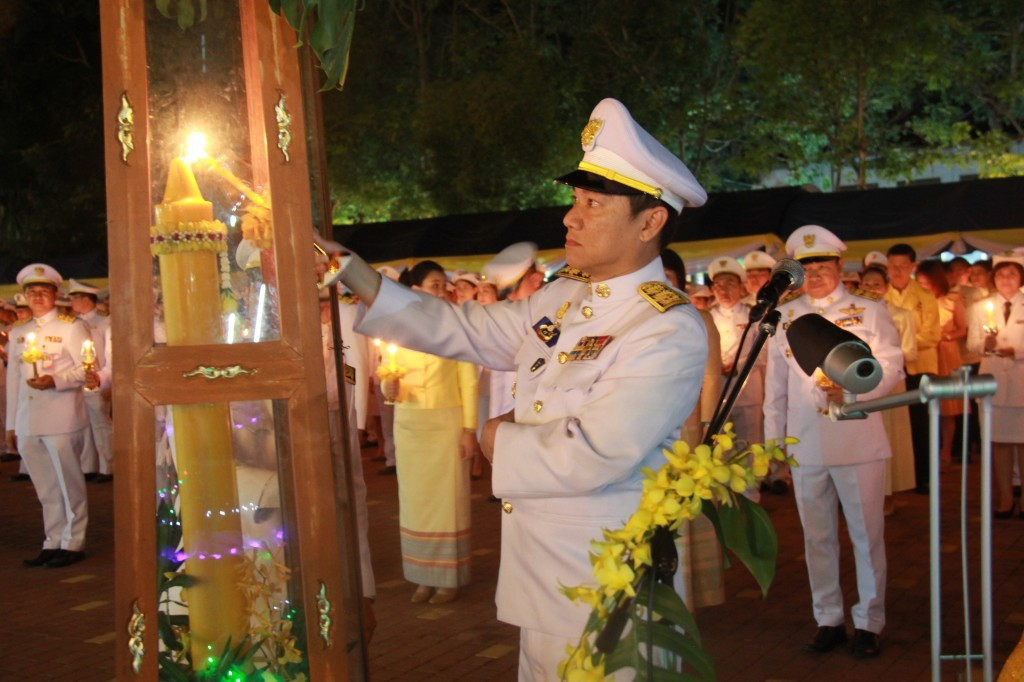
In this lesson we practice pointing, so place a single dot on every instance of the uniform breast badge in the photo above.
(548, 331)
(589, 347)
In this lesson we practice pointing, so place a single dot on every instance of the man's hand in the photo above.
(468, 446)
(92, 379)
(42, 382)
(490, 431)
(12, 441)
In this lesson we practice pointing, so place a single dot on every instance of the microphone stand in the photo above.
(766, 328)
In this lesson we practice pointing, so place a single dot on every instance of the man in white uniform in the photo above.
(98, 452)
(608, 360)
(46, 415)
(839, 462)
(758, 266)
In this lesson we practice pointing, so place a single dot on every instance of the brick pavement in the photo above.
(58, 623)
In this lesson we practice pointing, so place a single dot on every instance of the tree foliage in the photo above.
(455, 106)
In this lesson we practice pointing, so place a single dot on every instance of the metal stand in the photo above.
(765, 329)
(959, 385)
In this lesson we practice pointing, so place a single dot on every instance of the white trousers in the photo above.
(98, 446)
(860, 489)
(52, 462)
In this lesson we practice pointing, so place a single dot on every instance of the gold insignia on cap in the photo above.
(39, 271)
(808, 240)
(590, 131)
(661, 295)
(722, 263)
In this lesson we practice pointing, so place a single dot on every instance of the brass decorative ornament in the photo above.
(218, 372)
(323, 605)
(284, 128)
(590, 131)
(136, 628)
(126, 127)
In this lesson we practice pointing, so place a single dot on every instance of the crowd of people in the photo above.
(564, 383)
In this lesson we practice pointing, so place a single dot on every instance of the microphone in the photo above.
(842, 356)
(787, 275)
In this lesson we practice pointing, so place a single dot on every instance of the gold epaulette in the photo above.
(791, 296)
(348, 299)
(570, 272)
(18, 323)
(66, 317)
(870, 295)
(661, 295)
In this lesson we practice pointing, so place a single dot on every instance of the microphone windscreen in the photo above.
(794, 269)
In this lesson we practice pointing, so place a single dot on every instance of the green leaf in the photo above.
(623, 655)
(169, 670)
(670, 639)
(180, 580)
(709, 510)
(167, 635)
(749, 534)
(163, 6)
(186, 14)
(291, 10)
(669, 605)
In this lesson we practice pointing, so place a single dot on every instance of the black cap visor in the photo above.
(596, 183)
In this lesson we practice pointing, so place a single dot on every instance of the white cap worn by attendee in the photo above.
(39, 273)
(758, 260)
(508, 268)
(77, 287)
(620, 157)
(877, 259)
(814, 241)
(1014, 256)
(726, 265)
(466, 276)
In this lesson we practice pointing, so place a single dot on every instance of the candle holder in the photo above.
(390, 382)
(88, 358)
(32, 355)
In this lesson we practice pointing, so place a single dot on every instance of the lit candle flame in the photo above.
(989, 306)
(195, 147)
(88, 352)
(392, 349)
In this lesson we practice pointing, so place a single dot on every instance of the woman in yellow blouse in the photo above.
(435, 439)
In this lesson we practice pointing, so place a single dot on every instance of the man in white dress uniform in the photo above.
(46, 415)
(840, 463)
(98, 452)
(608, 361)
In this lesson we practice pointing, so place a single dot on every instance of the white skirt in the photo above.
(1007, 424)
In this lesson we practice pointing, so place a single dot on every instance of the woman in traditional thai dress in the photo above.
(953, 321)
(435, 439)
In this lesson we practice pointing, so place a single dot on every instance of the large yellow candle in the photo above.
(187, 241)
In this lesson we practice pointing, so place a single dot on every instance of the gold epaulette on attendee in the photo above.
(870, 295)
(661, 295)
(66, 317)
(18, 323)
(791, 296)
(570, 272)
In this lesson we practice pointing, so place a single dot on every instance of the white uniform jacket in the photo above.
(795, 406)
(730, 324)
(1009, 372)
(53, 411)
(593, 405)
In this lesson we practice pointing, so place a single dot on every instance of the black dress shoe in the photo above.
(1003, 514)
(21, 477)
(43, 557)
(91, 476)
(865, 644)
(64, 557)
(922, 490)
(387, 471)
(103, 478)
(10, 457)
(827, 639)
(779, 487)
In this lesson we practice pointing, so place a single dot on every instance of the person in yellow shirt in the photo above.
(904, 292)
(435, 440)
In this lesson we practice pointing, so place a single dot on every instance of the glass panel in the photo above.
(228, 587)
(211, 237)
